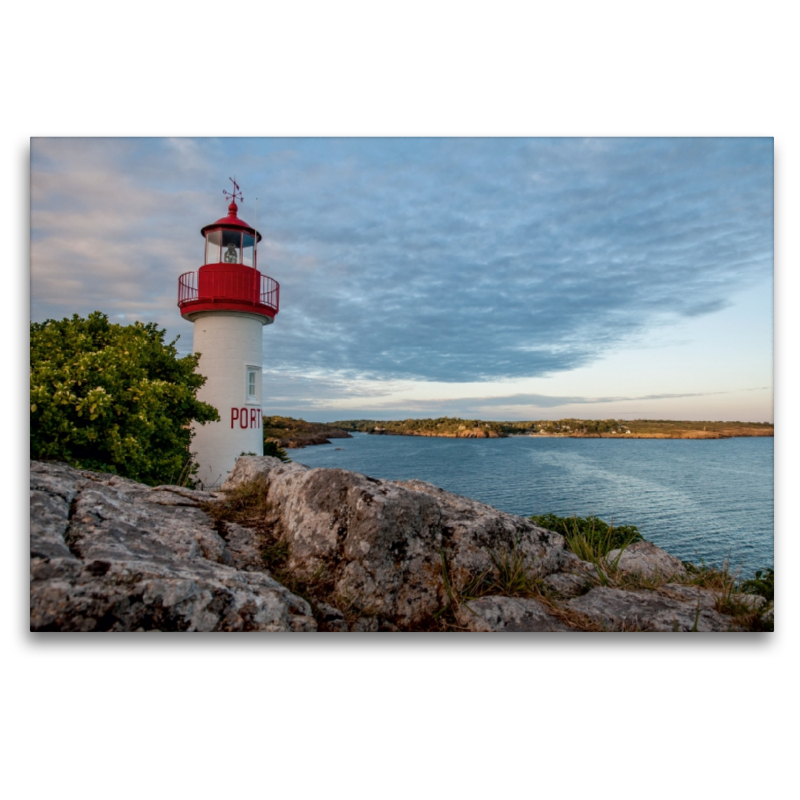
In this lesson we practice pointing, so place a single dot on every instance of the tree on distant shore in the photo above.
(114, 398)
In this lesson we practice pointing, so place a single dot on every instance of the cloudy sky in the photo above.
(496, 278)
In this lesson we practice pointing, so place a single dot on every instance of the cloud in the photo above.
(330, 399)
(428, 259)
(550, 401)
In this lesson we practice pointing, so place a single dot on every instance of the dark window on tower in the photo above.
(231, 247)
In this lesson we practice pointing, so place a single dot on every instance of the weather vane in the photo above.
(236, 193)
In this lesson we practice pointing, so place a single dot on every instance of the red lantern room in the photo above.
(229, 280)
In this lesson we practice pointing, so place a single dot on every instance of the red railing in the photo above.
(228, 284)
(187, 287)
(270, 292)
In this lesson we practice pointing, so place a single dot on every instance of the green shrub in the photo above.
(113, 398)
(763, 584)
(272, 448)
(589, 537)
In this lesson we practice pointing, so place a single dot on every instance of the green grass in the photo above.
(592, 539)
(763, 584)
(589, 538)
(247, 505)
(729, 591)
(511, 575)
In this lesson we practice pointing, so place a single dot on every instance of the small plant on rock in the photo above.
(247, 505)
(589, 538)
(762, 584)
(731, 594)
(272, 448)
(512, 575)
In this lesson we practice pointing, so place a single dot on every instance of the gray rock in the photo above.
(574, 577)
(566, 584)
(377, 542)
(753, 601)
(366, 625)
(618, 609)
(471, 531)
(646, 560)
(382, 544)
(695, 595)
(242, 547)
(507, 614)
(572, 565)
(331, 619)
(248, 468)
(709, 599)
(111, 554)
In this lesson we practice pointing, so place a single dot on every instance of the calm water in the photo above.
(697, 499)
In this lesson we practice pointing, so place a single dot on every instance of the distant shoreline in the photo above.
(694, 435)
(297, 433)
(697, 435)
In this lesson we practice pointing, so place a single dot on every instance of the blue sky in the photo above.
(503, 278)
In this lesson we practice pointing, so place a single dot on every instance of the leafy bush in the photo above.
(113, 398)
(589, 537)
(763, 584)
(272, 448)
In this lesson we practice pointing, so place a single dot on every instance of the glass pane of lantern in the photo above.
(231, 247)
(212, 247)
(247, 250)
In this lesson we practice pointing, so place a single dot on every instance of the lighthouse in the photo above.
(229, 301)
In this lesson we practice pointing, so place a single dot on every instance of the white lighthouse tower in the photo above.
(229, 301)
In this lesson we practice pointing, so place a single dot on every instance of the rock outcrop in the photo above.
(509, 615)
(647, 561)
(626, 610)
(366, 554)
(385, 546)
(109, 554)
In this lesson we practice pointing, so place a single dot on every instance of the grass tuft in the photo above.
(730, 593)
(246, 504)
(589, 538)
(512, 575)
(763, 584)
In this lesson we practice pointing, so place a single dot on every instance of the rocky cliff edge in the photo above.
(286, 548)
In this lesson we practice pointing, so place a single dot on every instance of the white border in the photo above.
(397, 717)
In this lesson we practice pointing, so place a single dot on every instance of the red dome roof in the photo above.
(231, 221)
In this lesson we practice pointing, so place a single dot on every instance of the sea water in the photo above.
(703, 500)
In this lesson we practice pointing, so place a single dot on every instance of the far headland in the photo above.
(293, 433)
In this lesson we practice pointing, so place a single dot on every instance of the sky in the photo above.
(492, 278)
